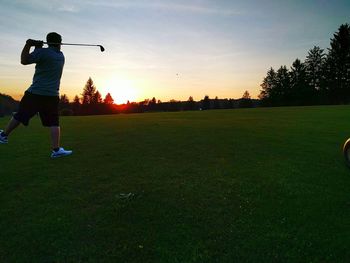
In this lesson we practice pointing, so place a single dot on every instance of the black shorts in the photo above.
(46, 106)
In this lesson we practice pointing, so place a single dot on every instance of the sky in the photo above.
(167, 49)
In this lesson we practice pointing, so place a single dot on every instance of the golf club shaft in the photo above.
(70, 44)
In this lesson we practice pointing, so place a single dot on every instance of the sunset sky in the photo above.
(166, 49)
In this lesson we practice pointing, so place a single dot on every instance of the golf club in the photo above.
(70, 44)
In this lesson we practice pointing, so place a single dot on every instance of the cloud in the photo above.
(195, 9)
(189, 8)
(40, 5)
(68, 8)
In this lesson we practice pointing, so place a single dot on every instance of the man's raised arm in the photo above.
(26, 49)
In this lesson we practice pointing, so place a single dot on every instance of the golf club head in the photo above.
(101, 48)
(346, 152)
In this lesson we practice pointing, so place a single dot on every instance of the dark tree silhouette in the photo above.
(267, 94)
(301, 92)
(217, 103)
(88, 92)
(246, 95)
(191, 104)
(76, 105)
(283, 86)
(152, 104)
(91, 101)
(96, 98)
(206, 103)
(338, 66)
(314, 66)
(64, 100)
(108, 99)
(323, 78)
(245, 101)
(64, 107)
(7, 105)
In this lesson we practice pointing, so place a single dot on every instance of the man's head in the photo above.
(53, 37)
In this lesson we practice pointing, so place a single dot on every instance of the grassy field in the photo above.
(254, 185)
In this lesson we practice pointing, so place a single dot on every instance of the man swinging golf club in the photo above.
(43, 95)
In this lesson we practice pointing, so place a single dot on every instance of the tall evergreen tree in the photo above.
(283, 91)
(108, 99)
(314, 65)
(338, 66)
(96, 98)
(89, 92)
(301, 92)
(246, 95)
(268, 85)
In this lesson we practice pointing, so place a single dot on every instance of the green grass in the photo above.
(255, 185)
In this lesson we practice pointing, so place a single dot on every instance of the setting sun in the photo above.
(122, 90)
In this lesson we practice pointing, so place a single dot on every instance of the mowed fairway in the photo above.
(254, 185)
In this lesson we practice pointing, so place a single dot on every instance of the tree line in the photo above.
(323, 78)
(7, 105)
(91, 103)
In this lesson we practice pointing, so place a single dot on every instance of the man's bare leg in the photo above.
(13, 124)
(55, 136)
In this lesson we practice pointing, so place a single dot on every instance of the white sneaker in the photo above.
(3, 139)
(61, 152)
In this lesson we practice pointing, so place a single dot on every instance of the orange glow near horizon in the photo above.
(121, 90)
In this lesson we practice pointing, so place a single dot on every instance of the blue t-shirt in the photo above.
(48, 71)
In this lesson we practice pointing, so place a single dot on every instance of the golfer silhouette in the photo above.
(43, 95)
